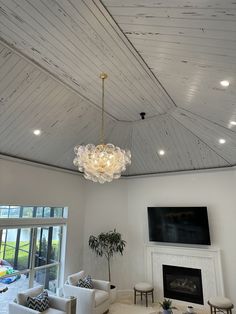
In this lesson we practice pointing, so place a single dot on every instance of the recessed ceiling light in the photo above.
(161, 152)
(37, 132)
(224, 83)
(233, 122)
(222, 140)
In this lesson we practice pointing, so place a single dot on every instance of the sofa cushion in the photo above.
(53, 311)
(74, 279)
(100, 297)
(39, 303)
(33, 292)
(86, 282)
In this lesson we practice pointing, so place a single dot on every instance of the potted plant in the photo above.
(108, 244)
(167, 306)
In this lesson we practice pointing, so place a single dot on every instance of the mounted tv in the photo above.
(188, 225)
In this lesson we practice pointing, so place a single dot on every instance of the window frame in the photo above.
(34, 223)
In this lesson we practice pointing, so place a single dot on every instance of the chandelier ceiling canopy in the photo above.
(104, 162)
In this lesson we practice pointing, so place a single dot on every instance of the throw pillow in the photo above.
(74, 279)
(86, 282)
(39, 303)
(32, 292)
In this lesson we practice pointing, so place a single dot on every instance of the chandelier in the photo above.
(104, 162)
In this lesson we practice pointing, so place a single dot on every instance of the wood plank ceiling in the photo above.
(51, 54)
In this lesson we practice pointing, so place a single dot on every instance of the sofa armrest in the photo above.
(85, 302)
(101, 285)
(60, 304)
(20, 309)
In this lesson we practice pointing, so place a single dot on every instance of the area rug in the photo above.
(120, 308)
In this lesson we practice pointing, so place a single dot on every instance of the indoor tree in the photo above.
(107, 244)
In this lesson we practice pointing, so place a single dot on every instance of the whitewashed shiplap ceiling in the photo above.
(73, 40)
(52, 52)
(31, 99)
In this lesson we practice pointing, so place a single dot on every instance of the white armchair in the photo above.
(57, 305)
(89, 301)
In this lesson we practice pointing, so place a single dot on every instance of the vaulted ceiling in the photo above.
(165, 58)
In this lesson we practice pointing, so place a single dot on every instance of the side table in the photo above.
(73, 304)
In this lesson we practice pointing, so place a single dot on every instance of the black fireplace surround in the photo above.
(182, 283)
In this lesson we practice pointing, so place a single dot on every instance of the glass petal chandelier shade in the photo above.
(104, 162)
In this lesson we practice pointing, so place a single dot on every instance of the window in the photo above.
(30, 249)
(31, 211)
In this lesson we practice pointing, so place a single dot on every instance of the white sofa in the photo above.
(57, 305)
(89, 301)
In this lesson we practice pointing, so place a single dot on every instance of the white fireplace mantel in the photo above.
(206, 259)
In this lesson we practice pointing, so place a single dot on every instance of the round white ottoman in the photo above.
(143, 288)
(219, 304)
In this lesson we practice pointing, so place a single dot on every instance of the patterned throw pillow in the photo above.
(86, 282)
(39, 303)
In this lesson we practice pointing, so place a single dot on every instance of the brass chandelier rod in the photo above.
(103, 76)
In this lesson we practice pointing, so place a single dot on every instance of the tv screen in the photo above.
(187, 225)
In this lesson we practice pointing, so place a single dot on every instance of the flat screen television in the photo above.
(187, 225)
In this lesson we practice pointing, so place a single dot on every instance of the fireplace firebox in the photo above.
(182, 283)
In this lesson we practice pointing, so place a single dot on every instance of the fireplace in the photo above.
(182, 283)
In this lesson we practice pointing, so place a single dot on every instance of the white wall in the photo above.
(106, 209)
(123, 204)
(22, 184)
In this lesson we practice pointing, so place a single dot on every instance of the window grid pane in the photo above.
(12, 211)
